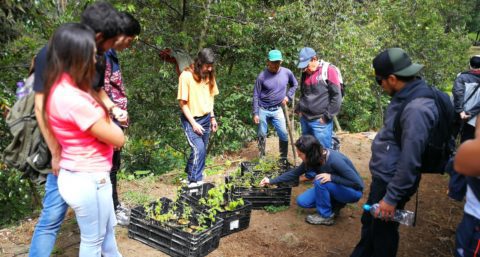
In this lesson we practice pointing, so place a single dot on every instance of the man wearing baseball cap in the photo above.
(320, 99)
(269, 94)
(394, 164)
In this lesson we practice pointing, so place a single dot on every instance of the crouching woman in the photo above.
(335, 180)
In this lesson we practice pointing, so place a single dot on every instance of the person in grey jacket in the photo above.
(336, 181)
(466, 100)
(394, 169)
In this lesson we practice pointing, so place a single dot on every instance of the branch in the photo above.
(171, 7)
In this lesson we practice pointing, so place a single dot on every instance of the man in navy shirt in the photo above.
(269, 94)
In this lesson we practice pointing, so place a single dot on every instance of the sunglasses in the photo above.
(379, 79)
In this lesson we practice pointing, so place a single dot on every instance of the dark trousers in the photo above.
(457, 186)
(379, 238)
(113, 176)
(199, 145)
(467, 239)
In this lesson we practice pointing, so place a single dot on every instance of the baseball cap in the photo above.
(274, 56)
(395, 61)
(305, 56)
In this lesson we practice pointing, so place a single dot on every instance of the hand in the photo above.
(285, 100)
(214, 124)
(322, 120)
(385, 211)
(464, 115)
(323, 177)
(256, 119)
(265, 181)
(197, 128)
(303, 178)
(120, 115)
(55, 164)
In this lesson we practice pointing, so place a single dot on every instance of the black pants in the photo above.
(113, 176)
(379, 238)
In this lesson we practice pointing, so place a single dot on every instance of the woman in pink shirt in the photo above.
(80, 122)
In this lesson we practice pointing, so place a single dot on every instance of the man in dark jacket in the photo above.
(320, 100)
(394, 169)
(466, 99)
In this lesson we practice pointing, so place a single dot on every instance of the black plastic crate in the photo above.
(233, 221)
(250, 167)
(171, 239)
(264, 196)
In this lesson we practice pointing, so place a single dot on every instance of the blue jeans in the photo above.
(90, 196)
(319, 197)
(51, 218)
(277, 119)
(323, 132)
(467, 239)
(199, 144)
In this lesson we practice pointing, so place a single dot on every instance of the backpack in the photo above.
(28, 151)
(440, 144)
(324, 75)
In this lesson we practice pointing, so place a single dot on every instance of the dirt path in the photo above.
(284, 233)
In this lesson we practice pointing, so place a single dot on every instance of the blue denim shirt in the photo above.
(395, 166)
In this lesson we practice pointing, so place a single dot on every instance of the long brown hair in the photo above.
(312, 149)
(71, 50)
(205, 56)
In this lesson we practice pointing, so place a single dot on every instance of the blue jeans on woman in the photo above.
(277, 118)
(321, 131)
(199, 144)
(50, 220)
(320, 197)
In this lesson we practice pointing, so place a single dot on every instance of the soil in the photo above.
(283, 233)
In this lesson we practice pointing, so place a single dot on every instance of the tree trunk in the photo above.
(206, 18)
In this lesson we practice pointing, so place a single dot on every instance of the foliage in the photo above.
(346, 33)
(275, 209)
(266, 167)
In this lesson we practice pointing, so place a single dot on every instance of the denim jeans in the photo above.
(199, 144)
(323, 132)
(89, 194)
(50, 220)
(319, 197)
(277, 118)
(467, 239)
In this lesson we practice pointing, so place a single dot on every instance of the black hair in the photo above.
(102, 18)
(130, 25)
(313, 150)
(71, 50)
(475, 62)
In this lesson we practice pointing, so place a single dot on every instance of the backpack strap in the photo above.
(472, 94)
(324, 75)
(417, 93)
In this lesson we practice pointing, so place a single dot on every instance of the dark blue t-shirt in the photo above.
(41, 64)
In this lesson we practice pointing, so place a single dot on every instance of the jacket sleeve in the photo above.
(344, 173)
(458, 92)
(292, 81)
(335, 100)
(418, 119)
(256, 94)
(289, 175)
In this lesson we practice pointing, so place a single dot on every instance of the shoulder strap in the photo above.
(325, 66)
(472, 94)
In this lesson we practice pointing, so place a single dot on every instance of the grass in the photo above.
(275, 209)
(137, 198)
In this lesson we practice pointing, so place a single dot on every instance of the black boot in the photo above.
(283, 146)
(261, 146)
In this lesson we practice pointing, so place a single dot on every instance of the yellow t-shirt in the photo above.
(197, 94)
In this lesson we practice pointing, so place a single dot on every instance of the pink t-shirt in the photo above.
(71, 112)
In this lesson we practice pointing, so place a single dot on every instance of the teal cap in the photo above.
(274, 56)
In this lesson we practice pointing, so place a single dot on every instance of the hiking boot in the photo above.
(336, 207)
(261, 146)
(123, 215)
(316, 219)
(283, 147)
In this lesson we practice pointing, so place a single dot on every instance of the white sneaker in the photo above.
(192, 184)
(199, 183)
(123, 215)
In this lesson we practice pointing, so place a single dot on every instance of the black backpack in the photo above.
(440, 145)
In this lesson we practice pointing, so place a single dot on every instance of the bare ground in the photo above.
(283, 233)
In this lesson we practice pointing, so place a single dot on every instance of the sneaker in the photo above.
(123, 215)
(192, 184)
(316, 219)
